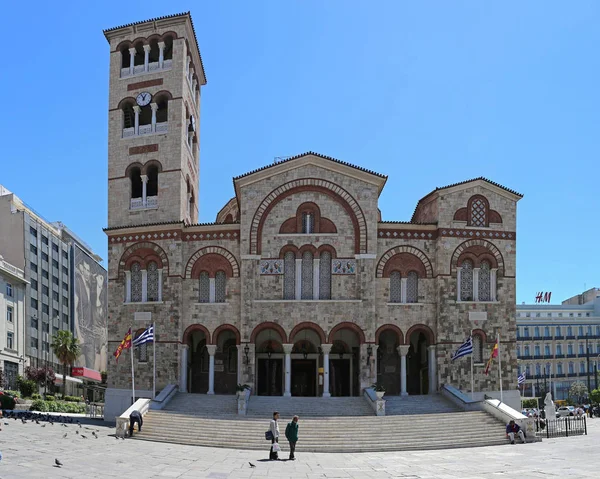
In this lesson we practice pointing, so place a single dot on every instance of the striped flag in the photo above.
(492, 356)
(125, 344)
(464, 350)
(146, 337)
(521, 379)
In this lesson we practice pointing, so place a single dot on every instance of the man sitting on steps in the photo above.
(513, 428)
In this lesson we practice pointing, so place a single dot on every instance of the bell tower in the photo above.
(156, 74)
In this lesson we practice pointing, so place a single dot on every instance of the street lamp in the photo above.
(246, 352)
(369, 353)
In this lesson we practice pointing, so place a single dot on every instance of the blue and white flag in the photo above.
(521, 379)
(146, 337)
(464, 350)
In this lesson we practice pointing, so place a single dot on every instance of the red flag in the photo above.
(125, 344)
(492, 356)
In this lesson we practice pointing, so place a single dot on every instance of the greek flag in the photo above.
(521, 379)
(146, 337)
(464, 350)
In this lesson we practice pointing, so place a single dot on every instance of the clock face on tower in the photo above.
(143, 98)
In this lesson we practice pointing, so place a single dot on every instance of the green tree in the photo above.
(595, 396)
(578, 391)
(66, 348)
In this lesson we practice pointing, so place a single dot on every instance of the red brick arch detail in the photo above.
(334, 191)
(287, 248)
(268, 325)
(307, 247)
(428, 268)
(308, 325)
(348, 325)
(144, 249)
(211, 263)
(390, 327)
(420, 328)
(478, 249)
(143, 257)
(226, 327)
(327, 247)
(195, 327)
(480, 332)
(235, 268)
(128, 99)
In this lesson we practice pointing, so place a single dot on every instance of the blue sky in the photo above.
(429, 93)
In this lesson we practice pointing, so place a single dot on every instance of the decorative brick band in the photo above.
(212, 235)
(145, 236)
(139, 150)
(144, 84)
(212, 250)
(445, 232)
(404, 249)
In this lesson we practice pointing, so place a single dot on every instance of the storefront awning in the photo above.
(88, 374)
(69, 379)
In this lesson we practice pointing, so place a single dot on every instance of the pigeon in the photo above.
(64, 425)
(79, 423)
(43, 425)
(76, 432)
(251, 465)
(94, 434)
(37, 422)
(65, 435)
(57, 463)
(84, 437)
(6, 424)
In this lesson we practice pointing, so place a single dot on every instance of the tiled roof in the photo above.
(183, 14)
(329, 158)
(462, 183)
(405, 223)
(143, 225)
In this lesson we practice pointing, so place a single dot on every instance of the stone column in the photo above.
(403, 283)
(128, 286)
(154, 107)
(249, 376)
(476, 284)
(432, 369)
(161, 54)
(160, 278)
(131, 60)
(211, 283)
(144, 189)
(137, 110)
(458, 273)
(212, 349)
(183, 368)
(146, 57)
(298, 278)
(316, 263)
(403, 351)
(326, 350)
(287, 349)
(374, 364)
(144, 285)
(493, 283)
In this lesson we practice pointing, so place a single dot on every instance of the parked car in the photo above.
(565, 411)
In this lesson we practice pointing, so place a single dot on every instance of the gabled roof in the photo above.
(480, 178)
(156, 19)
(310, 153)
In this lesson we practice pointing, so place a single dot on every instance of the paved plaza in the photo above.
(29, 450)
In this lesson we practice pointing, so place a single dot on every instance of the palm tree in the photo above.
(66, 348)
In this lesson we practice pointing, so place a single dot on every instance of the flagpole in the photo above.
(131, 349)
(154, 360)
(499, 366)
(472, 379)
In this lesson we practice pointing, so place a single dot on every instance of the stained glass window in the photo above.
(466, 281)
(395, 287)
(136, 283)
(152, 281)
(325, 275)
(289, 275)
(477, 349)
(484, 282)
(412, 287)
(204, 287)
(478, 212)
(220, 283)
(307, 275)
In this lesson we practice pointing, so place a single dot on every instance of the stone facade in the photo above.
(299, 287)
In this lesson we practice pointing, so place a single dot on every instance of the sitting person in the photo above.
(511, 429)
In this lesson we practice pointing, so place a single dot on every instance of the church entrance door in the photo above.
(339, 377)
(270, 377)
(417, 380)
(304, 377)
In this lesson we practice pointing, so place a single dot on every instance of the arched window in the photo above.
(325, 275)
(140, 56)
(220, 286)
(395, 287)
(162, 111)
(204, 287)
(168, 51)
(153, 54)
(142, 349)
(145, 119)
(136, 283)
(125, 57)
(152, 187)
(477, 349)
(289, 275)
(412, 287)
(484, 282)
(308, 222)
(307, 275)
(135, 176)
(128, 117)
(152, 281)
(478, 212)
(466, 281)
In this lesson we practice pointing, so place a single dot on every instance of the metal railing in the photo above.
(565, 427)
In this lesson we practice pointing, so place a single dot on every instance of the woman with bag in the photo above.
(274, 430)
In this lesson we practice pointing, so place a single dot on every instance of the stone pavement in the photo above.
(28, 451)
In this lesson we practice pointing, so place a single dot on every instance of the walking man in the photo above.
(274, 428)
(291, 433)
(512, 429)
(134, 417)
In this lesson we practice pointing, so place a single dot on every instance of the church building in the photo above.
(299, 287)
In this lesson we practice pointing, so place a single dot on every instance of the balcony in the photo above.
(570, 336)
(560, 375)
(571, 355)
(145, 130)
(560, 356)
(139, 70)
(547, 338)
(560, 336)
(525, 357)
(138, 203)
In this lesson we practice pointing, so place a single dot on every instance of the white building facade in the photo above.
(558, 345)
